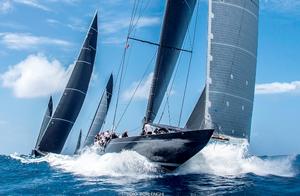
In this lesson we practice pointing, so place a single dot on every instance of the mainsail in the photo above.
(100, 114)
(46, 120)
(175, 24)
(231, 68)
(70, 104)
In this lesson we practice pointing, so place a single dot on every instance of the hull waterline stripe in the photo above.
(77, 90)
(61, 119)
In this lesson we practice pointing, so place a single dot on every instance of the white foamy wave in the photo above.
(91, 164)
(26, 159)
(233, 160)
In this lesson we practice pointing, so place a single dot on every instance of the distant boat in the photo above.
(56, 128)
(166, 146)
(226, 102)
(100, 114)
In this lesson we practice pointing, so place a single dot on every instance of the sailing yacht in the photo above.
(56, 127)
(100, 114)
(165, 145)
(226, 102)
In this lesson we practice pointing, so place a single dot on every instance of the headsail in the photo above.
(100, 114)
(78, 144)
(73, 96)
(46, 120)
(231, 66)
(196, 120)
(176, 21)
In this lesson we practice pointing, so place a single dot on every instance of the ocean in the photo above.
(219, 169)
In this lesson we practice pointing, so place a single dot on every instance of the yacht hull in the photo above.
(169, 150)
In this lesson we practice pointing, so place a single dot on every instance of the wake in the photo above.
(234, 160)
(216, 159)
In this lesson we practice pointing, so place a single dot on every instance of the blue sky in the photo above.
(39, 41)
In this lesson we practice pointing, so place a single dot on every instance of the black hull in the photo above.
(168, 150)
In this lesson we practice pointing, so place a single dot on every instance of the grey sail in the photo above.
(175, 24)
(196, 119)
(78, 144)
(100, 114)
(46, 120)
(231, 66)
(73, 96)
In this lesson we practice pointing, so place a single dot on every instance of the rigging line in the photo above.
(171, 87)
(168, 104)
(135, 90)
(189, 68)
(121, 69)
(140, 15)
(159, 45)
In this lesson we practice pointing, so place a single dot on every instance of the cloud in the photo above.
(277, 87)
(5, 6)
(281, 5)
(142, 91)
(33, 3)
(20, 41)
(119, 24)
(36, 76)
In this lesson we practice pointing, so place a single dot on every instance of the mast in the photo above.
(231, 68)
(73, 96)
(178, 14)
(100, 114)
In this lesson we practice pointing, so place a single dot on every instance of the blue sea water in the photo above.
(219, 169)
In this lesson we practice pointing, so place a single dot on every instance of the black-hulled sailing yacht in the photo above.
(167, 146)
(56, 128)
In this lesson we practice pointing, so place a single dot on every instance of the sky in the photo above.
(40, 40)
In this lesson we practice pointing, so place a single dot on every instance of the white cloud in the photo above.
(114, 26)
(33, 3)
(36, 76)
(21, 41)
(5, 6)
(142, 91)
(277, 87)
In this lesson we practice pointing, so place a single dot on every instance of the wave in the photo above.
(223, 159)
(218, 159)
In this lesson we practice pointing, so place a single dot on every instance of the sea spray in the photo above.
(223, 159)
(220, 159)
(89, 163)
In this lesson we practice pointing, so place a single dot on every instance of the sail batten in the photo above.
(175, 24)
(73, 96)
(100, 114)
